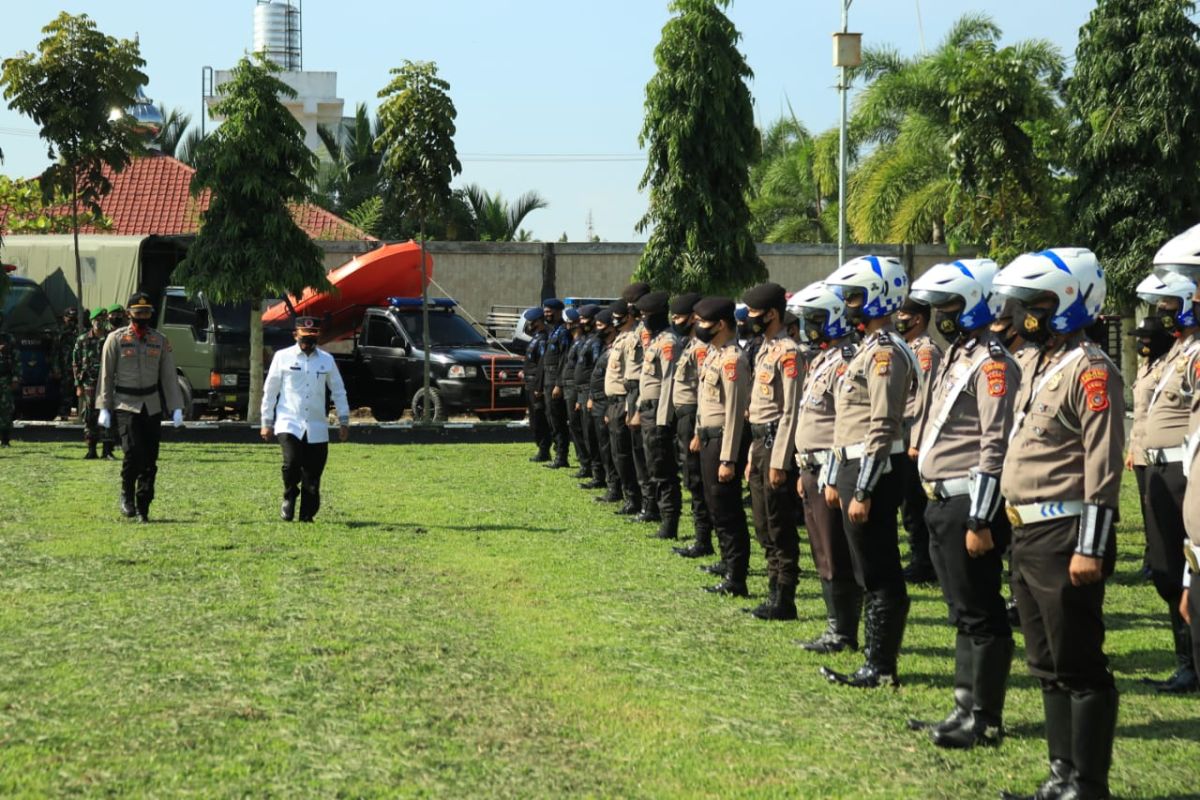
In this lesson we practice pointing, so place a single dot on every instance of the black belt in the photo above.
(142, 392)
(708, 434)
(645, 405)
(630, 385)
(763, 431)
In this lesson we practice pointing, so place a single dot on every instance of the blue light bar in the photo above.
(415, 302)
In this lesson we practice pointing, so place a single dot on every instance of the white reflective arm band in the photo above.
(829, 474)
(1095, 525)
(985, 496)
(870, 469)
(1187, 578)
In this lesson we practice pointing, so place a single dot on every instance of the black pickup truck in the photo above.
(383, 365)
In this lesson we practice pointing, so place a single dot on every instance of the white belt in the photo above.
(1166, 455)
(812, 459)
(944, 490)
(1191, 552)
(1032, 513)
(855, 451)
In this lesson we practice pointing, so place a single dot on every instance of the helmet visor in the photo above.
(933, 297)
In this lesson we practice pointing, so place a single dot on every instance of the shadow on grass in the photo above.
(414, 527)
(1156, 659)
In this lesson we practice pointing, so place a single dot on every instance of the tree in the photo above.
(787, 202)
(351, 176)
(70, 89)
(701, 141)
(1135, 137)
(496, 220)
(256, 165)
(173, 133)
(419, 161)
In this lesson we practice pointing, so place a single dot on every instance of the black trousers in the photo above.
(1162, 505)
(303, 464)
(140, 435)
(913, 512)
(556, 412)
(602, 444)
(874, 546)
(970, 586)
(725, 505)
(575, 425)
(774, 513)
(622, 450)
(1194, 626)
(638, 447)
(685, 429)
(1063, 624)
(539, 425)
(661, 466)
(826, 536)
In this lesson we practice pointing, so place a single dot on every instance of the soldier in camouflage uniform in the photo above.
(64, 347)
(9, 379)
(85, 368)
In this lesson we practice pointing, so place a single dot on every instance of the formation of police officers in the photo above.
(840, 412)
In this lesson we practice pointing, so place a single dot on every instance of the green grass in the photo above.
(462, 623)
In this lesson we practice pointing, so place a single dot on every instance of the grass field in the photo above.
(462, 623)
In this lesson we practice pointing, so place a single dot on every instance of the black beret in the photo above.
(553, 302)
(589, 311)
(765, 296)
(715, 309)
(619, 308)
(1148, 327)
(653, 303)
(912, 305)
(634, 291)
(604, 317)
(685, 303)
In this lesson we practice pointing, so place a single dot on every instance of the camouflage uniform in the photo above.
(85, 368)
(64, 347)
(8, 381)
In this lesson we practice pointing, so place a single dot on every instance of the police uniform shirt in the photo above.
(1191, 496)
(639, 340)
(929, 359)
(620, 353)
(558, 342)
(871, 397)
(294, 394)
(1068, 428)
(658, 361)
(1143, 388)
(775, 394)
(682, 389)
(817, 417)
(724, 396)
(1170, 400)
(133, 367)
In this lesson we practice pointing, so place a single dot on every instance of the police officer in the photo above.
(598, 407)
(135, 366)
(869, 442)
(535, 328)
(632, 366)
(658, 431)
(1162, 440)
(1152, 344)
(558, 342)
(822, 315)
(294, 411)
(774, 400)
(590, 348)
(679, 403)
(85, 369)
(724, 397)
(64, 348)
(1061, 480)
(571, 390)
(117, 318)
(10, 379)
(961, 442)
(912, 322)
(621, 352)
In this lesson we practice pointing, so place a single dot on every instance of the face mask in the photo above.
(813, 331)
(618, 322)
(704, 334)
(757, 323)
(307, 343)
(655, 322)
(946, 323)
(140, 324)
(587, 327)
(743, 330)
(855, 316)
(681, 329)
(903, 325)
(1035, 327)
(1155, 346)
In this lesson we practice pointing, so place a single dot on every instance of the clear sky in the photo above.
(549, 92)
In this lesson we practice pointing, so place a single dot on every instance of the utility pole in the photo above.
(847, 52)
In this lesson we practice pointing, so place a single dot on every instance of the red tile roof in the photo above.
(150, 197)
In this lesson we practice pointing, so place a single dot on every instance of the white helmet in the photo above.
(819, 303)
(1180, 255)
(1072, 274)
(1170, 285)
(969, 280)
(882, 281)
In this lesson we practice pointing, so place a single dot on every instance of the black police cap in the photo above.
(604, 316)
(589, 311)
(653, 303)
(685, 303)
(553, 303)
(715, 309)
(139, 300)
(308, 325)
(766, 296)
(619, 308)
(634, 291)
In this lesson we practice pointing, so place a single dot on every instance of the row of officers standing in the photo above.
(839, 411)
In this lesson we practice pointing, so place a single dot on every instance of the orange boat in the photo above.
(393, 270)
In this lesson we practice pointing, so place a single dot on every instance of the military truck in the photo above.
(31, 319)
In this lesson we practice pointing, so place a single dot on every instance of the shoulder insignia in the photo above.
(730, 368)
(1181, 365)
(701, 352)
(1196, 370)
(995, 371)
(668, 351)
(790, 368)
(885, 340)
(645, 337)
(925, 359)
(883, 362)
(1095, 386)
(1054, 382)
(997, 351)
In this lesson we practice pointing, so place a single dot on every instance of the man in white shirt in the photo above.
(295, 412)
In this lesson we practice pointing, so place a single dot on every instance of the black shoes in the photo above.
(611, 496)
(542, 455)
(829, 642)
(287, 511)
(647, 516)
(91, 452)
(582, 472)
(976, 729)
(628, 508)
(867, 676)
(1056, 787)
(920, 573)
(783, 609)
(107, 453)
(719, 569)
(143, 512)
(729, 588)
(1182, 681)
(594, 484)
(668, 530)
(127, 509)
(693, 551)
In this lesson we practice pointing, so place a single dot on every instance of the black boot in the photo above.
(1056, 702)
(769, 602)
(90, 455)
(1096, 713)
(784, 607)
(1183, 680)
(143, 511)
(991, 661)
(694, 550)
(559, 462)
(964, 695)
(669, 528)
(629, 508)
(584, 471)
(844, 606)
(107, 452)
(5, 438)
(543, 454)
(887, 615)
(720, 569)
(127, 507)
(649, 511)
(613, 495)
(287, 511)
(594, 483)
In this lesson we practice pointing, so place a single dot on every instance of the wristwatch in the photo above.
(976, 524)
(861, 495)
(726, 463)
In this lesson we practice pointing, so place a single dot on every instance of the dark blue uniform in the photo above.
(534, 355)
(558, 342)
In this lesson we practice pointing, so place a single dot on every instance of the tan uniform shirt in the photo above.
(658, 362)
(633, 361)
(977, 382)
(814, 427)
(132, 370)
(775, 395)
(929, 359)
(622, 351)
(1191, 496)
(724, 396)
(1143, 387)
(1068, 433)
(1170, 401)
(871, 397)
(682, 389)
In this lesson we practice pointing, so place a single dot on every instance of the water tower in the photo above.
(278, 35)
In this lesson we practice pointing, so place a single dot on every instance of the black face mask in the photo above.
(141, 324)
(757, 324)
(946, 323)
(1035, 326)
(704, 334)
(743, 330)
(904, 325)
(814, 331)
(855, 316)
(682, 329)
(307, 343)
(1155, 346)
(604, 333)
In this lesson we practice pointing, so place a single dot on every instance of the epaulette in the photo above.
(848, 351)
(997, 351)
(1095, 353)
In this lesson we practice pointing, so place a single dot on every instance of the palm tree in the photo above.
(350, 174)
(787, 203)
(175, 123)
(497, 220)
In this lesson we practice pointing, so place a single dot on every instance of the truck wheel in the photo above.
(418, 405)
(185, 391)
(387, 411)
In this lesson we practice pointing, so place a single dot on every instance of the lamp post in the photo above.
(847, 52)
